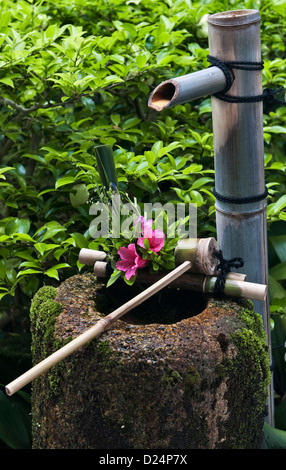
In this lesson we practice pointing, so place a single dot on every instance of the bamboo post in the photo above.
(238, 148)
(239, 153)
(234, 36)
(94, 331)
(238, 141)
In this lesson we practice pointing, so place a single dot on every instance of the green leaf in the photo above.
(2, 268)
(115, 119)
(193, 168)
(275, 289)
(13, 429)
(157, 147)
(130, 123)
(7, 81)
(131, 30)
(278, 272)
(31, 264)
(17, 226)
(114, 276)
(278, 206)
(280, 415)
(64, 181)
(80, 240)
(3, 170)
(169, 148)
(275, 438)
(49, 230)
(53, 272)
(28, 271)
(106, 165)
(41, 248)
(22, 237)
(275, 129)
(279, 244)
(201, 182)
(141, 60)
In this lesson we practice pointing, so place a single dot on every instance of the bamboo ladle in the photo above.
(95, 330)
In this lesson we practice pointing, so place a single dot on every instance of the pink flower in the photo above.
(155, 237)
(130, 261)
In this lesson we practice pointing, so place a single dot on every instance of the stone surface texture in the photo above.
(181, 371)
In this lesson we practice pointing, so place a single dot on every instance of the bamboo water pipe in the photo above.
(101, 326)
(188, 87)
(89, 257)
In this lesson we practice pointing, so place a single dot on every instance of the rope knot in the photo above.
(268, 94)
(225, 267)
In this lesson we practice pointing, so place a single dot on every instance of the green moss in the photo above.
(191, 381)
(43, 294)
(43, 313)
(105, 353)
(253, 321)
(171, 378)
(252, 360)
(252, 341)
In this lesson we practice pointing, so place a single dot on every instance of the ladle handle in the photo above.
(94, 331)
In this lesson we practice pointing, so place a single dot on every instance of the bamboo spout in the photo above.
(89, 257)
(186, 88)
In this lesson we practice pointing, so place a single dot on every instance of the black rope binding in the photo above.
(268, 94)
(241, 200)
(225, 267)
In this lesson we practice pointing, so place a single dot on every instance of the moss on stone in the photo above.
(43, 314)
(171, 378)
(191, 381)
(105, 353)
(252, 359)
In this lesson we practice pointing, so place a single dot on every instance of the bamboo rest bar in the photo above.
(201, 276)
(200, 251)
(235, 285)
(94, 331)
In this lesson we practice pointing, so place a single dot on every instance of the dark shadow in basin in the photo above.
(168, 306)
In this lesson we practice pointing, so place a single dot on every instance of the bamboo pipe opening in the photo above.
(163, 96)
(234, 17)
